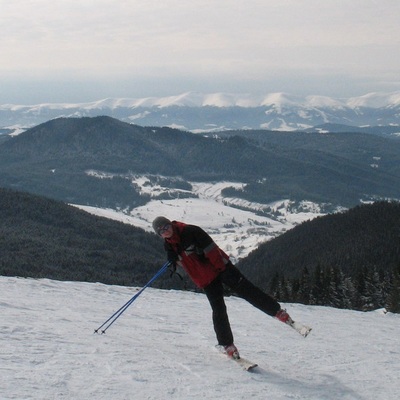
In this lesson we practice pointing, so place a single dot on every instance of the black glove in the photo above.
(172, 268)
(173, 259)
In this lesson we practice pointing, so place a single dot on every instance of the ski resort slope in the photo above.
(162, 347)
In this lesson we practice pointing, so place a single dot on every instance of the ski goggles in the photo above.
(163, 229)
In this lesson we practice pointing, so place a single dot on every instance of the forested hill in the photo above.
(349, 260)
(355, 253)
(43, 238)
(62, 159)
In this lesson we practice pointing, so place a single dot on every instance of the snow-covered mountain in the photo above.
(235, 224)
(162, 347)
(209, 112)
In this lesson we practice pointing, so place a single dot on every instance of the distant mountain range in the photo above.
(220, 111)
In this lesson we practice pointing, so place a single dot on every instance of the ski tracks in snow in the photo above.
(162, 347)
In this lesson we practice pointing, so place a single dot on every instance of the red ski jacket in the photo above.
(194, 249)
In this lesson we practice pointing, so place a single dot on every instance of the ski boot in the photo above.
(232, 351)
(284, 317)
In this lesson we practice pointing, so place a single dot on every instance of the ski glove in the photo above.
(172, 257)
(172, 268)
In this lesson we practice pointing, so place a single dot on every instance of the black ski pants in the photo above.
(244, 289)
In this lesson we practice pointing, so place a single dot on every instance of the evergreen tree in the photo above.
(283, 289)
(349, 292)
(274, 286)
(360, 284)
(393, 301)
(305, 285)
(334, 299)
(316, 288)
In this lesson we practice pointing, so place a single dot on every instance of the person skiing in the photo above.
(210, 268)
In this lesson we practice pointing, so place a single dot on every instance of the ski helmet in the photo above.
(159, 223)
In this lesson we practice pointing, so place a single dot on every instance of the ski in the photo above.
(300, 328)
(247, 365)
(284, 317)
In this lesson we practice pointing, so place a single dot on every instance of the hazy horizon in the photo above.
(69, 51)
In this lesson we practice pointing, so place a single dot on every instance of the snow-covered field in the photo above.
(162, 347)
(237, 231)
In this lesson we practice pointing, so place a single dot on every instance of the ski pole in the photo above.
(119, 312)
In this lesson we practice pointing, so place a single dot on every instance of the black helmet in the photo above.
(159, 223)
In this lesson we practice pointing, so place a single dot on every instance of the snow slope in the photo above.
(163, 348)
(236, 231)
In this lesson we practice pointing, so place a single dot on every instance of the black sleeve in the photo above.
(193, 234)
(171, 254)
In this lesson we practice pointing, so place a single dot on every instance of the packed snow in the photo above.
(163, 347)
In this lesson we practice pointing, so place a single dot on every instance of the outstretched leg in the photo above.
(236, 281)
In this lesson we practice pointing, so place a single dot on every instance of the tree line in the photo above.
(369, 290)
(43, 238)
(349, 260)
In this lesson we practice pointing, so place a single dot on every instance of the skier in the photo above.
(209, 268)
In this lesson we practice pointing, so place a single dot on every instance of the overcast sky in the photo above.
(85, 50)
